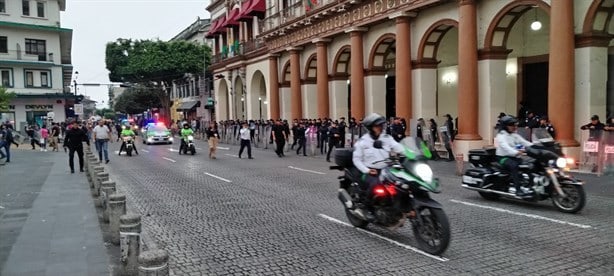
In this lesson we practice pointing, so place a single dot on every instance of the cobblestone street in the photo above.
(281, 216)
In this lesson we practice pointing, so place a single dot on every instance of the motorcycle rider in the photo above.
(185, 132)
(366, 157)
(510, 148)
(126, 132)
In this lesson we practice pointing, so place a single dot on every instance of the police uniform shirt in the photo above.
(365, 155)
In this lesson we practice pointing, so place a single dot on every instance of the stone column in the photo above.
(403, 80)
(295, 84)
(591, 77)
(273, 88)
(357, 80)
(322, 77)
(561, 77)
(467, 72)
(425, 88)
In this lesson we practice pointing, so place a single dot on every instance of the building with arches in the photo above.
(416, 59)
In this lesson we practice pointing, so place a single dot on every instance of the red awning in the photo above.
(254, 8)
(212, 28)
(233, 18)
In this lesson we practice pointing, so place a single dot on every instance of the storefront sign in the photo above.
(39, 106)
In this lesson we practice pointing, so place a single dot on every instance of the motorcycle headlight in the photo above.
(190, 138)
(424, 172)
(561, 162)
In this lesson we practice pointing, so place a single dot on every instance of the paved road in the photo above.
(281, 216)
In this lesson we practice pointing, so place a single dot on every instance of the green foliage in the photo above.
(101, 112)
(139, 99)
(5, 98)
(109, 115)
(142, 61)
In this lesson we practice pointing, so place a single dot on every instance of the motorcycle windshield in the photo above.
(414, 149)
(541, 135)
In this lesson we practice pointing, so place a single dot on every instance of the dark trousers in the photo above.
(294, 142)
(322, 144)
(301, 145)
(331, 146)
(511, 165)
(244, 144)
(342, 140)
(280, 143)
(33, 142)
(370, 182)
(71, 157)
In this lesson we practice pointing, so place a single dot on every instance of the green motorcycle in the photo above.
(401, 195)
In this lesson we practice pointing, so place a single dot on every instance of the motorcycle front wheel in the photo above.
(354, 220)
(574, 200)
(433, 233)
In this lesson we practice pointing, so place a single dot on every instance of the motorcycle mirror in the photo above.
(377, 144)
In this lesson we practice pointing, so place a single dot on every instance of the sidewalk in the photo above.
(48, 223)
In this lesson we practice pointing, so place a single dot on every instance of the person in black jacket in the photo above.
(280, 136)
(73, 140)
(301, 139)
(334, 139)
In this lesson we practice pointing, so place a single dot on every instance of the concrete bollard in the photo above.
(100, 177)
(129, 243)
(460, 164)
(107, 188)
(95, 168)
(153, 263)
(116, 208)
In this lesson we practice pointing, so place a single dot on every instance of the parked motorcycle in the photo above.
(188, 145)
(402, 194)
(129, 141)
(544, 174)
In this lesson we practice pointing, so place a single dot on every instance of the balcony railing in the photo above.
(238, 49)
(21, 55)
(297, 10)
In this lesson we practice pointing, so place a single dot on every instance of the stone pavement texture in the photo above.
(48, 223)
(263, 217)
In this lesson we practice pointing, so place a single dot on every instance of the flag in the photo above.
(310, 4)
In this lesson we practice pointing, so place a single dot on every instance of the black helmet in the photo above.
(508, 121)
(372, 120)
(186, 125)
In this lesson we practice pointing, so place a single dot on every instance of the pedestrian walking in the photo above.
(32, 134)
(54, 137)
(334, 139)
(213, 137)
(44, 136)
(245, 141)
(280, 136)
(102, 137)
(6, 139)
(73, 140)
(301, 139)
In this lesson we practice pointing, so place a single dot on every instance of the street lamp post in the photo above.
(260, 106)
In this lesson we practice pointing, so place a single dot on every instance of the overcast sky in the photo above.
(96, 22)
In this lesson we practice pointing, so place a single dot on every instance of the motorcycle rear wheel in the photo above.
(354, 220)
(574, 202)
(129, 152)
(433, 235)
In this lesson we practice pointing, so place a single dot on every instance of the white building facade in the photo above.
(35, 61)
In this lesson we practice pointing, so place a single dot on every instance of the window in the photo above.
(36, 47)
(5, 77)
(4, 45)
(2, 6)
(44, 79)
(29, 79)
(25, 5)
(40, 9)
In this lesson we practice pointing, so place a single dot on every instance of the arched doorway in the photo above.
(438, 64)
(341, 94)
(519, 33)
(284, 92)
(239, 107)
(382, 68)
(222, 101)
(258, 98)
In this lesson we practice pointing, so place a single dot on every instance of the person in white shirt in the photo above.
(102, 136)
(510, 147)
(366, 157)
(245, 141)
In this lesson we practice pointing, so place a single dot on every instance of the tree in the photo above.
(137, 100)
(5, 98)
(155, 63)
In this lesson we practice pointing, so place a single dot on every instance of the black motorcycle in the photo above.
(544, 174)
(187, 145)
(402, 194)
(129, 142)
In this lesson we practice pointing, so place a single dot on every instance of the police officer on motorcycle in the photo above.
(127, 132)
(185, 132)
(367, 157)
(510, 147)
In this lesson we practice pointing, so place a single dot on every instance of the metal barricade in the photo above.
(446, 142)
(592, 149)
(608, 153)
(525, 133)
(312, 142)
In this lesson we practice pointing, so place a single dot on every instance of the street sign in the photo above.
(78, 109)
(50, 115)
